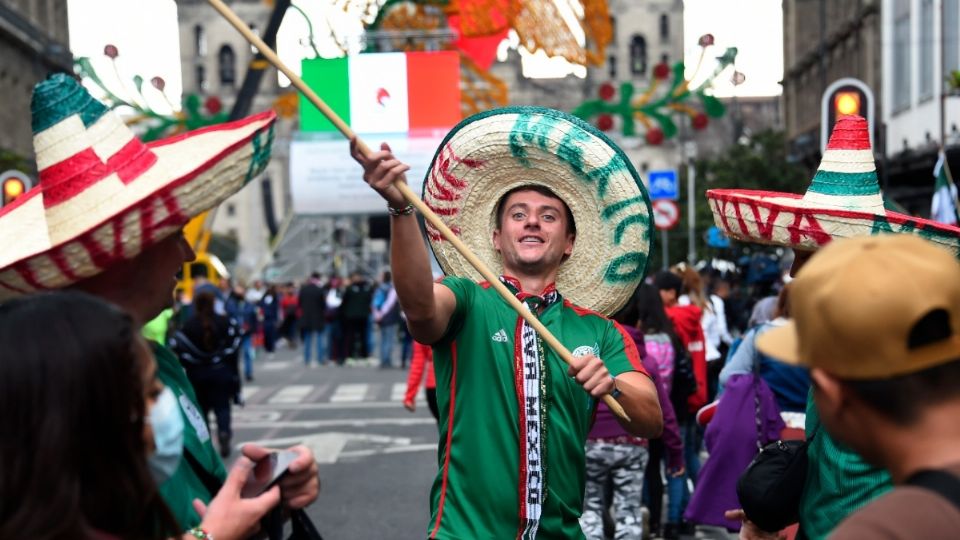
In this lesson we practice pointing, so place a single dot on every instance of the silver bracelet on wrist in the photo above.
(396, 212)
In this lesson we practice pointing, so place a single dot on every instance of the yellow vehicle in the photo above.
(206, 265)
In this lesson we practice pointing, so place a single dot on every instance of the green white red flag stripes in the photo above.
(385, 92)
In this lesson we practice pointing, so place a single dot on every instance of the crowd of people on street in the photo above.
(574, 394)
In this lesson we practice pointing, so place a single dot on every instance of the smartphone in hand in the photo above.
(267, 472)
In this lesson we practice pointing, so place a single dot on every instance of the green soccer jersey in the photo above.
(512, 422)
(184, 486)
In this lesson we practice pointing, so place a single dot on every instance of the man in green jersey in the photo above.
(520, 186)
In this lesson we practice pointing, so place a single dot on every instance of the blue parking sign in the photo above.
(664, 185)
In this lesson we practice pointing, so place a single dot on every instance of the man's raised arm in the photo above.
(428, 306)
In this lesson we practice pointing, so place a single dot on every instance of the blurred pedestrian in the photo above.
(387, 317)
(270, 318)
(355, 316)
(290, 315)
(208, 346)
(313, 307)
(333, 330)
(421, 366)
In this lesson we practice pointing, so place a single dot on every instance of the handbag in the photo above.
(770, 488)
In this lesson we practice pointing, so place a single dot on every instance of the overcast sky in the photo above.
(148, 44)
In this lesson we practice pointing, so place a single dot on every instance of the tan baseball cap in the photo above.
(857, 301)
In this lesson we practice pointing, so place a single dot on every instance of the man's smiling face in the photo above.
(534, 233)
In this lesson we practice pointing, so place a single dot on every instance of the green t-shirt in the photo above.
(839, 481)
(495, 454)
(184, 486)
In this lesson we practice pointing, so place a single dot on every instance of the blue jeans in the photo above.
(677, 491)
(308, 337)
(246, 345)
(388, 337)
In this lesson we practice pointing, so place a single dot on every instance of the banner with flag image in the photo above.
(944, 205)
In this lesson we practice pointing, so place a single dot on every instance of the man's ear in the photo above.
(496, 239)
(829, 394)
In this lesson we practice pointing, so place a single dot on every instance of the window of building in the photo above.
(253, 28)
(664, 27)
(231, 209)
(613, 30)
(925, 89)
(201, 79)
(612, 67)
(901, 55)
(200, 40)
(227, 62)
(638, 55)
(951, 45)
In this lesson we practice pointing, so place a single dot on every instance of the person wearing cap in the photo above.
(524, 188)
(877, 322)
(842, 201)
(107, 219)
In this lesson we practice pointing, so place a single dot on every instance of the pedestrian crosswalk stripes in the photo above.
(285, 396)
(294, 393)
(350, 392)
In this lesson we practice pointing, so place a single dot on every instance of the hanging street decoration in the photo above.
(196, 111)
(655, 110)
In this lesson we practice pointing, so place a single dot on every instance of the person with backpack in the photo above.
(877, 322)
(208, 347)
(686, 321)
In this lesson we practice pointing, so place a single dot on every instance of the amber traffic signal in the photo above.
(13, 184)
(844, 97)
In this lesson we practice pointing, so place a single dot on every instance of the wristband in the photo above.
(615, 393)
(200, 534)
(396, 212)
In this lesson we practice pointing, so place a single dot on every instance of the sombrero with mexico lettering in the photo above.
(490, 153)
(843, 200)
(105, 196)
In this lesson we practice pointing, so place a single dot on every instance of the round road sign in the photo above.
(666, 214)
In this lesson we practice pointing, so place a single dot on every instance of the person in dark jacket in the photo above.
(208, 348)
(313, 307)
(270, 311)
(355, 316)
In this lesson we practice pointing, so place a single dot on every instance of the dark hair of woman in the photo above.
(650, 312)
(203, 305)
(72, 423)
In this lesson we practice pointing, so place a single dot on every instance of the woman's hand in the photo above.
(749, 530)
(230, 516)
(301, 485)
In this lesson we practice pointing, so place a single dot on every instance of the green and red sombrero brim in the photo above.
(843, 201)
(104, 196)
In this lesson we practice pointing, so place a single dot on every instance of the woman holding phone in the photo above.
(87, 431)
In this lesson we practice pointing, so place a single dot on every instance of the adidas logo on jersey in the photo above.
(500, 336)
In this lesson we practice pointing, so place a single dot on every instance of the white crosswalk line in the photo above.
(249, 390)
(350, 392)
(398, 391)
(294, 393)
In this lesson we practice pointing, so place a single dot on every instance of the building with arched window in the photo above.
(227, 66)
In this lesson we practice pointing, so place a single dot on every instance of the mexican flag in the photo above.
(944, 205)
(385, 92)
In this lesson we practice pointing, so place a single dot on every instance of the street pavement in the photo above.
(377, 460)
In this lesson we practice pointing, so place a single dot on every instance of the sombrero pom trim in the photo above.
(843, 201)
(104, 196)
(488, 154)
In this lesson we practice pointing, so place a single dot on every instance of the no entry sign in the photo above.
(666, 214)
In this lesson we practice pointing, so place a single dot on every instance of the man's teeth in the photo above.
(531, 240)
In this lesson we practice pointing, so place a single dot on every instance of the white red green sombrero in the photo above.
(104, 196)
(844, 200)
(490, 153)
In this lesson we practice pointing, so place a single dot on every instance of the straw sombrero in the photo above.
(490, 153)
(104, 196)
(843, 200)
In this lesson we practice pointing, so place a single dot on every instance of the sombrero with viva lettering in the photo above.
(490, 153)
(104, 196)
(843, 200)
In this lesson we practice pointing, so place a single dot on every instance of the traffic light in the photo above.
(13, 183)
(844, 97)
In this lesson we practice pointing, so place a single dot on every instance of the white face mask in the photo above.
(167, 424)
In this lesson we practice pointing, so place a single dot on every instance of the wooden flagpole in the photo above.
(410, 196)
